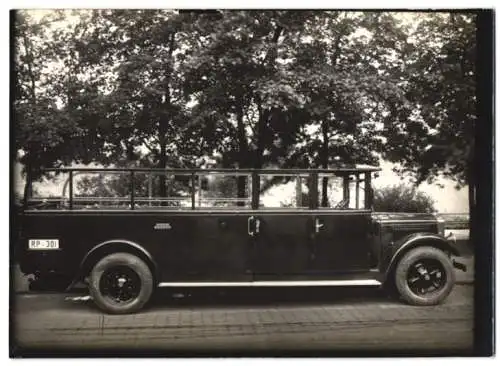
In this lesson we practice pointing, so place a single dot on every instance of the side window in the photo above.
(48, 192)
(113, 190)
(157, 189)
(221, 190)
(284, 191)
(331, 192)
(341, 192)
(100, 190)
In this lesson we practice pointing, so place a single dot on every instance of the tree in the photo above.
(115, 91)
(254, 89)
(402, 198)
(270, 77)
(234, 76)
(436, 137)
(146, 112)
(36, 132)
(349, 81)
(56, 107)
(441, 66)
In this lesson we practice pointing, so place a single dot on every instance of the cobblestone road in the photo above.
(341, 319)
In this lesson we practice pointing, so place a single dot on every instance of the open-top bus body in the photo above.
(279, 227)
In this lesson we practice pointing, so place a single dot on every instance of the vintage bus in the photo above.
(110, 230)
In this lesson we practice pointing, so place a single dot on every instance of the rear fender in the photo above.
(402, 246)
(114, 246)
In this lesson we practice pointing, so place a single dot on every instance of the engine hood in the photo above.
(398, 225)
(403, 217)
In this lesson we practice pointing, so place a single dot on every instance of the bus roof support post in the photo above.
(193, 191)
(150, 188)
(313, 190)
(132, 190)
(368, 191)
(346, 192)
(255, 190)
(298, 191)
(357, 191)
(70, 189)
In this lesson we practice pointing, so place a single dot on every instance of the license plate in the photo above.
(43, 244)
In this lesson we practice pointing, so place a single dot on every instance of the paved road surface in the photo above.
(250, 320)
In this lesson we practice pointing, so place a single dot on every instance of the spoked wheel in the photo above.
(424, 276)
(121, 283)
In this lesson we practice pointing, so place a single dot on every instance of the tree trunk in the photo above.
(163, 124)
(324, 163)
(28, 188)
(31, 75)
(243, 153)
(263, 114)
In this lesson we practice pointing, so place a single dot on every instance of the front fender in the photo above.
(396, 251)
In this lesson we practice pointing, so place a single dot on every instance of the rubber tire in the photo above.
(401, 272)
(134, 263)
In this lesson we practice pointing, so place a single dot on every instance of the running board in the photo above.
(367, 282)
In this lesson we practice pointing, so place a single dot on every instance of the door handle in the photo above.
(317, 225)
(249, 225)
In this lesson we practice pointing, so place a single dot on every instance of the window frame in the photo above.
(312, 176)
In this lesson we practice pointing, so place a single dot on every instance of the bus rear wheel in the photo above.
(121, 283)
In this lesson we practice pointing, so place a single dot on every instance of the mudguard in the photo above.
(113, 246)
(395, 251)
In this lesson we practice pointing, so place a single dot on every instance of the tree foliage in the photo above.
(277, 75)
(161, 88)
(56, 100)
(437, 136)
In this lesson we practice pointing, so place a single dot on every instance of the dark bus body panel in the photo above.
(280, 248)
(343, 241)
(207, 246)
(79, 232)
(184, 246)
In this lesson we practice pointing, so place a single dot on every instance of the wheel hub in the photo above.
(121, 281)
(120, 284)
(426, 277)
